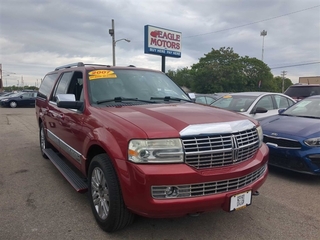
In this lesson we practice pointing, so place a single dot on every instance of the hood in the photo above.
(289, 125)
(167, 120)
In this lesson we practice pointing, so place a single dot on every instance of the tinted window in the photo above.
(302, 91)
(47, 85)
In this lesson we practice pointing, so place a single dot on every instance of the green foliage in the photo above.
(224, 70)
(16, 88)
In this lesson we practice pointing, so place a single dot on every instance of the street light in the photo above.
(114, 42)
(263, 34)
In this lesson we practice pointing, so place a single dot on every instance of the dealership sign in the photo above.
(162, 41)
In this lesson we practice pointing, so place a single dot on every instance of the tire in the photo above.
(13, 104)
(43, 141)
(105, 195)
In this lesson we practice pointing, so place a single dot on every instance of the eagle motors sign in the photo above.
(160, 41)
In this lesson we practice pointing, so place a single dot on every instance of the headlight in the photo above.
(156, 151)
(5, 100)
(313, 142)
(260, 134)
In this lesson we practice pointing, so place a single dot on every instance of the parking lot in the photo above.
(36, 202)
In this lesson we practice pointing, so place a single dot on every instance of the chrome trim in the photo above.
(221, 128)
(63, 145)
(208, 188)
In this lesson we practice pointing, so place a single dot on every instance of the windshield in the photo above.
(236, 103)
(309, 107)
(145, 85)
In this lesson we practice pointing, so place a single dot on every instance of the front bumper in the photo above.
(305, 160)
(140, 181)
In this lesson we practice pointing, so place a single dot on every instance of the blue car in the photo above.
(293, 137)
(20, 99)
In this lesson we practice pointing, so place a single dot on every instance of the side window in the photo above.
(282, 102)
(63, 84)
(265, 102)
(70, 83)
(25, 95)
(201, 100)
(47, 85)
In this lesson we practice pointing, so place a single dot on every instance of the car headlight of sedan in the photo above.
(313, 142)
(156, 151)
(5, 100)
(260, 134)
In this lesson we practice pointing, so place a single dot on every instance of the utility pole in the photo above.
(283, 73)
(112, 33)
(1, 83)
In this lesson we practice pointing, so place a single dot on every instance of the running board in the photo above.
(78, 183)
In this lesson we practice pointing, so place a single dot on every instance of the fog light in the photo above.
(172, 192)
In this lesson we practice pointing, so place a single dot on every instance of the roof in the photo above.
(254, 94)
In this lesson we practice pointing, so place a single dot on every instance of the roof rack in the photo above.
(93, 64)
(78, 64)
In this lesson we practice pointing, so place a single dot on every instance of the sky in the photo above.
(38, 35)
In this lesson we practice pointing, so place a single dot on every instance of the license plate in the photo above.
(240, 201)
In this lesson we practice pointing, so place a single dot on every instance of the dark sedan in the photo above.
(20, 99)
(293, 137)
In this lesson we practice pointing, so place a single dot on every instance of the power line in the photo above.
(247, 24)
(296, 65)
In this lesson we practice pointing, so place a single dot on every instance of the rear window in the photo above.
(302, 91)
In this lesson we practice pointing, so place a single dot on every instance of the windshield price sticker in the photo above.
(98, 74)
(240, 201)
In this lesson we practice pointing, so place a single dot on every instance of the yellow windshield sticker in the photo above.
(227, 96)
(98, 74)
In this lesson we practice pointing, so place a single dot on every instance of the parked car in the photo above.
(293, 137)
(301, 91)
(257, 105)
(205, 98)
(5, 95)
(20, 99)
(139, 145)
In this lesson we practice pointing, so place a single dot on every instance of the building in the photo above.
(310, 80)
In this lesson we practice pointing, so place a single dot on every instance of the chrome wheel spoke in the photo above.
(100, 193)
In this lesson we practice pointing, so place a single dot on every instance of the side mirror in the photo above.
(281, 110)
(68, 101)
(259, 110)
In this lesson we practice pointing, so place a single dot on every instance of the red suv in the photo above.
(139, 145)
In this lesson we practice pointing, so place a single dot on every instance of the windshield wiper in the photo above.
(168, 98)
(122, 99)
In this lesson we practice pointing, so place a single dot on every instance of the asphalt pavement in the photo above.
(36, 202)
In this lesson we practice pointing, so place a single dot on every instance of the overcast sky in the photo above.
(38, 35)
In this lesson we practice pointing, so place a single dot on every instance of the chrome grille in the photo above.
(208, 151)
(209, 188)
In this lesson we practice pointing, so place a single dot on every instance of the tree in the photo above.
(181, 77)
(225, 71)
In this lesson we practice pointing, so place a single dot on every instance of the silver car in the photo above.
(257, 105)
